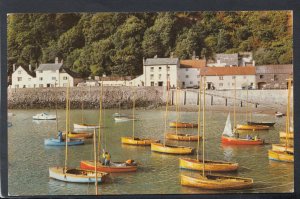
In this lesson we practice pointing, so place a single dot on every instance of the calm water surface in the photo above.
(29, 159)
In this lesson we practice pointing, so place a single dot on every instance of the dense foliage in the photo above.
(115, 43)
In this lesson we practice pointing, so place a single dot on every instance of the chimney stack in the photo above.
(56, 60)
(253, 63)
(14, 67)
(171, 55)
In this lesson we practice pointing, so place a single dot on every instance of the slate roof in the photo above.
(161, 61)
(223, 71)
(193, 63)
(53, 67)
(275, 69)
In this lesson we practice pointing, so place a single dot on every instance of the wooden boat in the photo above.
(182, 125)
(262, 123)
(283, 153)
(57, 142)
(289, 135)
(138, 141)
(182, 137)
(44, 116)
(252, 127)
(85, 126)
(229, 138)
(283, 156)
(217, 182)
(159, 147)
(78, 135)
(114, 167)
(119, 115)
(76, 175)
(210, 165)
(282, 147)
(124, 119)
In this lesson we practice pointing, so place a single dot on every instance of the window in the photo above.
(168, 68)
(53, 78)
(29, 79)
(191, 82)
(19, 72)
(159, 76)
(220, 77)
(152, 83)
(186, 76)
(220, 84)
(19, 79)
(41, 85)
(261, 76)
(17, 86)
(41, 79)
(159, 68)
(151, 69)
(275, 78)
(233, 77)
(168, 75)
(65, 78)
(186, 69)
(152, 76)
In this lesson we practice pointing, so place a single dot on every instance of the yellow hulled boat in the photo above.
(182, 137)
(194, 164)
(182, 125)
(283, 156)
(78, 135)
(159, 147)
(138, 141)
(217, 182)
(251, 127)
(282, 147)
(289, 135)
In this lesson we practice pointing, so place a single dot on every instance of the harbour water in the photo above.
(29, 159)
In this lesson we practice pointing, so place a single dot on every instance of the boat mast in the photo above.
(199, 110)
(166, 113)
(247, 103)
(287, 128)
(177, 109)
(82, 112)
(234, 122)
(95, 161)
(133, 106)
(100, 118)
(203, 161)
(66, 139)
(56, 116)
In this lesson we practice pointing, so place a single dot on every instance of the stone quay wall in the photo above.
(147, 97)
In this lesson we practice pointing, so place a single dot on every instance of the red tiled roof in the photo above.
(223, 71)
(193, 63)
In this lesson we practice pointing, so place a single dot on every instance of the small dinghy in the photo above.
(44, 116)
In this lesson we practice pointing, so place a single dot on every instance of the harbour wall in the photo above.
(148, 97)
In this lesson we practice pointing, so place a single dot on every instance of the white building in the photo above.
(189, 72)
(46, 75)
(223, 78)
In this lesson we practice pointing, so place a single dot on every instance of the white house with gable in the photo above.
(23, 78)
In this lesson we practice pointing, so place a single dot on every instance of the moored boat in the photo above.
(252, 127)
(85, 126)
(262, 123)
(124, 119)
(182, 137)
(44, 116)
(170, 149)
(217, 182)
(78, 135)
(113, 167)
(289, 135)
(210, 165)
(58, 142)
(76, 175)
(282, 147)
(283, 156)
(182, 125)
(138, 141)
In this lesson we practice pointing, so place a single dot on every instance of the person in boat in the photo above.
(130, 162)
(106, 157)
(248, 137)
(255, 137)
(59, 136)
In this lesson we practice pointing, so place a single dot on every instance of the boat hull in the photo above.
(239, 141)
(290, 135)
(76, 175)
(182, 137)
(57, 142)
(214, 182)
(280, 156)
(158, 147)
(194, 164)
(85, 126)
(119, 168)
(252, 127)
(138, 141)
(79, 135)
(182, 125)
(123, 119)
(282, 148)
(262, 123)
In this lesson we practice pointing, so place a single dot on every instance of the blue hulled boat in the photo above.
(58, 142)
